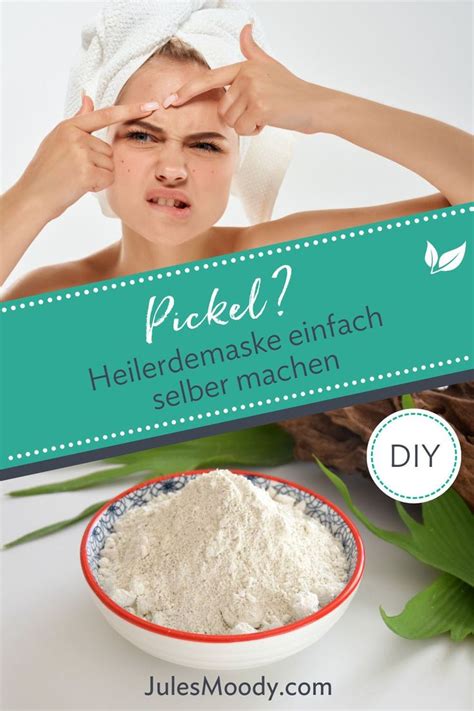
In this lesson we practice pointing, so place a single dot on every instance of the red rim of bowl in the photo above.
(349, 588)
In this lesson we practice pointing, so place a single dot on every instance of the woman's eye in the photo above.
(143, 136)
(138, 136)
(208, 147)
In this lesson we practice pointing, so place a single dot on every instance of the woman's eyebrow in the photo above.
(158, 129)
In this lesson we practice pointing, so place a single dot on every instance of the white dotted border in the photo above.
(41, 301)
(231, 409)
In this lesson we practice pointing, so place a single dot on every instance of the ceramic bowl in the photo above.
(220, 652)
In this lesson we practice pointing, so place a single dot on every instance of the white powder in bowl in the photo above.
(221, 556)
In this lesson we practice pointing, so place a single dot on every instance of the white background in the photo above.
(416, 56)
(60, 653)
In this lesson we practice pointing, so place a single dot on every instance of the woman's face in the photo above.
(173, 156)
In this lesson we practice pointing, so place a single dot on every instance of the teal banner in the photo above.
(291, 328)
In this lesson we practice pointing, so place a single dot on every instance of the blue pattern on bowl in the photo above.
(315, 508)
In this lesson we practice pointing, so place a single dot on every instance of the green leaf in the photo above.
(407, 402)
(397, 539)
(53, 527)
(268, 445)
(442, 540)
(447, 605)
(81, 482)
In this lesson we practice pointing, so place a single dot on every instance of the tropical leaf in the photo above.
(442, 540)
(447, 605)
(54, 527)
(87, 481)
(268, 445)
(407, 402)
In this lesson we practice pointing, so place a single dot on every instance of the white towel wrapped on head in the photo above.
(126, 33)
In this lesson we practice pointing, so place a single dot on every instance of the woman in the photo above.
(184, 148)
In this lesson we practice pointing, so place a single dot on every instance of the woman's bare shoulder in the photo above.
(61, 276)
(314, 222)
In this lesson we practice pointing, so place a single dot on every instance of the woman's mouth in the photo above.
(170, 206)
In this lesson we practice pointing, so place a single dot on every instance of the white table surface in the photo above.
(58, 652)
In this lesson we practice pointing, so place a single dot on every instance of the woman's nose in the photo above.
(171, 174)
(171, 168)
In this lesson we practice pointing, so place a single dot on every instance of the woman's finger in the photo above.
(101, 180)
(249, 48)
(95, 120)
(235, 111)
(247, 125)
(100, 146)
(81, 107)
(213, 79)
(231, 94)
(102, 161)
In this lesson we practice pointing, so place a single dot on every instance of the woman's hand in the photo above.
(262, 92)
(71, 162)
(68, 163)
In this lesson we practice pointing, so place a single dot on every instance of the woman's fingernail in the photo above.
(169, 100)
(150, 106)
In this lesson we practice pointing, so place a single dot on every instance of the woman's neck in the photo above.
(137, 254)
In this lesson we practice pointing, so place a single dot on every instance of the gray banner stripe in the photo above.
(242, 423)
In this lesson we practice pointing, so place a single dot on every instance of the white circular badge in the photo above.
(413, 455)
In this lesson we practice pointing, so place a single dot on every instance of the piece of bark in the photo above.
(339, 438)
